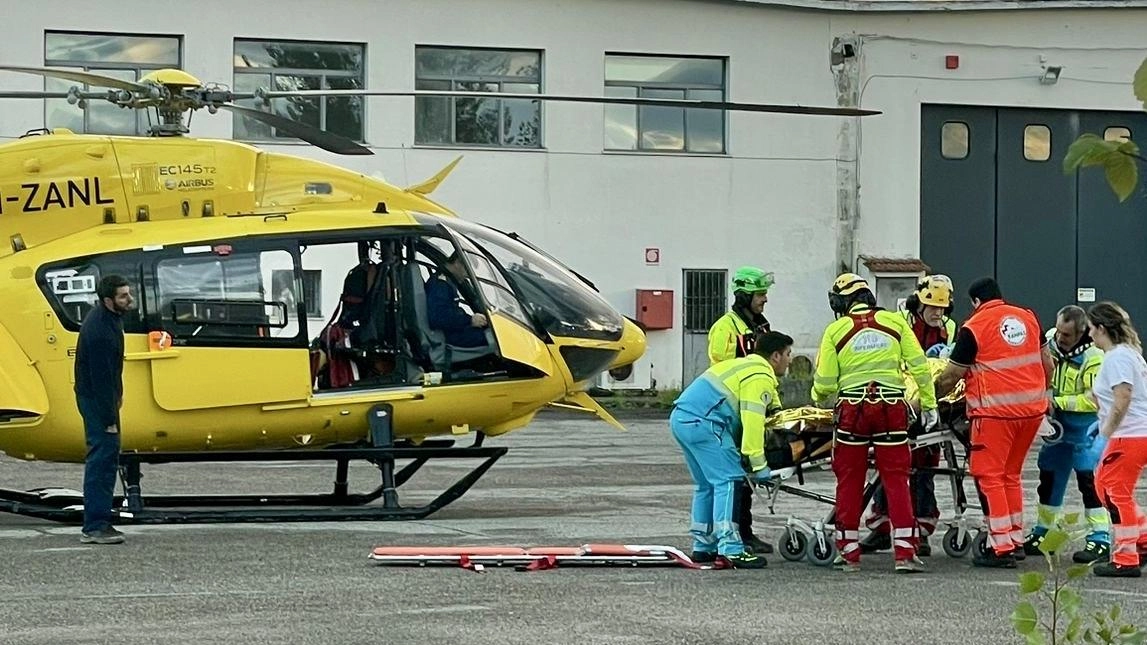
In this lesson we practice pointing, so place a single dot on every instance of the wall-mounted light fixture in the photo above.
(1050, 74)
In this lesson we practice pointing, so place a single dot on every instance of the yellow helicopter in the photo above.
(227, 357)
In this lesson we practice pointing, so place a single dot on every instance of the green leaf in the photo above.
(1139, 83)
(1138, 638)
(1072, 633)
(1069, 601)
(1088, 150)
(1054, 540)
(1024, 618)
(1089, 637)
(1115, 612)
(1071, 519)
(1128, 147)
(1031, 582)
(1035, 638)
(1122, 174)
(1077, 571)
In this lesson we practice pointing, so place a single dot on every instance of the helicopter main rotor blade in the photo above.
(98, 80)
(326, 140)
(33, 95)
(682, 103)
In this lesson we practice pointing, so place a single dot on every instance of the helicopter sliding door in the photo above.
(235, 326)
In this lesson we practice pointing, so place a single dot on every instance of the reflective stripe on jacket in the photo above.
(870, 346)
(1074, 375)
(1007, 379)
(737, 394)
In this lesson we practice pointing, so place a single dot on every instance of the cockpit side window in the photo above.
(70, 287)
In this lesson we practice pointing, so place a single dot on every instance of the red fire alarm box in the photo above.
(655, 308)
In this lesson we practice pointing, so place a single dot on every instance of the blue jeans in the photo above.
(715, 465)
(100, 468)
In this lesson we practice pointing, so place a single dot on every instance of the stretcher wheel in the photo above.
(980, 547)
(822, 556)
(954, 546)
(792, 545)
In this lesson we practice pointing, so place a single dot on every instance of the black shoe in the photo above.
(875, 541)
(1019, 555)
(103, 536)
(1092, 552)
(703, 557)
(754, 544)
(991, 560)
(1031, 545)
(924, 549)
(746, 561)
(1112, 570)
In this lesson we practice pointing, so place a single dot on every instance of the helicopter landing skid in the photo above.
(134, 507)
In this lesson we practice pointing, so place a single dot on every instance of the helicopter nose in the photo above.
(632, 345)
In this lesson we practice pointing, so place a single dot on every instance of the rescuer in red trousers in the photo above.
(1002, 356)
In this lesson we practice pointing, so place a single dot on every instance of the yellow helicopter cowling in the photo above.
(21, 388)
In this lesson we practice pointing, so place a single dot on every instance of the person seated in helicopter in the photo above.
(444, 310)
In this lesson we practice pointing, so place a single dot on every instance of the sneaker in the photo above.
(746, 560)
(991, 560)
(703, 557)
(1092, 552)
(840, 564)
(103, 536)
(875, 541)
(1112, 570)
(754, 544)
(924, 549)
(1031, 545)
(909, 565)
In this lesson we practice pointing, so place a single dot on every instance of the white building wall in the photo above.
(771, 201)
(903, 68)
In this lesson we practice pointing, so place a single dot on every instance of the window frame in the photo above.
(142, 124)
(157, 320)
(481, 78)
(323, 75)
(967, 140)
(638, 86)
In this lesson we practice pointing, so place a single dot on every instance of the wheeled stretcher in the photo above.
(799, 443)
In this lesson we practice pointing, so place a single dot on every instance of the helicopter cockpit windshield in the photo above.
(557, 299)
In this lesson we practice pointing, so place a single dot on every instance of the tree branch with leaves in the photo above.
(1119, 158)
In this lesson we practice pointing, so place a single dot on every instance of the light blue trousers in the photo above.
(715, 465)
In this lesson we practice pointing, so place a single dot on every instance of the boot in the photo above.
(875, 541)
(991, 560)
(1093, 551)
(755, 544)
(924, 549)
(746, 560)
(703, 557)
(1112, 570)
(1031, 544)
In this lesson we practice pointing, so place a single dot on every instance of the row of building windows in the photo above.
(955, 140)
(464, 121)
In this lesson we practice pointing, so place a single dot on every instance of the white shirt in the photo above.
(1123, 364)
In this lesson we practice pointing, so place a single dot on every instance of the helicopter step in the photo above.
(134, 507)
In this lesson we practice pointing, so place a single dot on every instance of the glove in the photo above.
(930, 419)
(936, 351)
(761, 476)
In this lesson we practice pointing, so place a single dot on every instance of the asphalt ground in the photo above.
(564, 482)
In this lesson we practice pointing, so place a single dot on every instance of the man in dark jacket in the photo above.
(445, 313)
(99, 396)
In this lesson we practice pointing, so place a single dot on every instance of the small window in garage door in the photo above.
(954, 140)
(1037, 143)
(1117, 133)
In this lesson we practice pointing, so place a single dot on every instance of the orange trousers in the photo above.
(998, 450)
(1115, 481)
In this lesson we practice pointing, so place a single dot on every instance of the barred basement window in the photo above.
(705, 298)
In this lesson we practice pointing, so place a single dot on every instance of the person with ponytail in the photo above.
(1120, 391)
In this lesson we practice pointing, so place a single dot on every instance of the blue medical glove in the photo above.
(761, 476)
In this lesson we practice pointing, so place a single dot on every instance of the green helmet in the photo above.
(752, 280)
